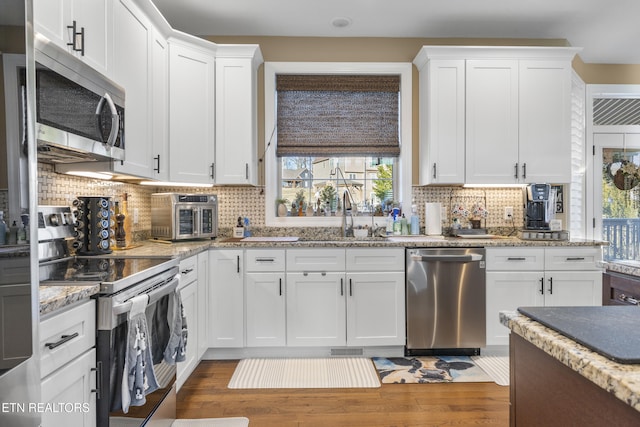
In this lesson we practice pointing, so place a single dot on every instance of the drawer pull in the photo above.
(187, 271)
(628, 300)
(516, 259)
(576, 258)
(265, 260)
(63, 339)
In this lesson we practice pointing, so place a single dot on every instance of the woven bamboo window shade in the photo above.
(338, 115)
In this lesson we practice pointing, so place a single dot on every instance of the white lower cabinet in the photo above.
(71, 389)
(226, 298)
(375, 309)
(265, 298)
(189, 295)
(360, 303)
(539, 277)
(67, 366)
(316, 310)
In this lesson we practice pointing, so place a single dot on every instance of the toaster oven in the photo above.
(177, 216)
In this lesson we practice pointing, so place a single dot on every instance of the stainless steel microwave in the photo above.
(79, 112)
(177, 216)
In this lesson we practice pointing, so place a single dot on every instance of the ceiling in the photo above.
(608, 32)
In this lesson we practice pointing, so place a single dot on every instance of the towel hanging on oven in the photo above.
(138, 378)
(177, 348)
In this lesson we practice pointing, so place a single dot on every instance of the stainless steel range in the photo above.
(122, 280)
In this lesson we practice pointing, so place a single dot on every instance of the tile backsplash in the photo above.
(234, 201)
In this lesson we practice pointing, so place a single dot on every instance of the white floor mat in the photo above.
(305, 373)
(497, 367)
(212, 422)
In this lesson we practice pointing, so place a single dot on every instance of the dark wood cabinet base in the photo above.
(544, 392)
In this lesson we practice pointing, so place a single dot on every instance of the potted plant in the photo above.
(281, 207)
(328, 196)
(299, 201)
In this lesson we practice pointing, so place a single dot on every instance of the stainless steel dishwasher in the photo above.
(445, 293)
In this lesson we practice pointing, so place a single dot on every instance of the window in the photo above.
(313, 181)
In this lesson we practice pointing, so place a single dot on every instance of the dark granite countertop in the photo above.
(621, 380)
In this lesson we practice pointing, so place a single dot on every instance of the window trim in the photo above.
(402, 186)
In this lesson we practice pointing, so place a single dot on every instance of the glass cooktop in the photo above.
(94, 269)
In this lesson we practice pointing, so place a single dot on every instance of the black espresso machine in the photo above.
(540, 201)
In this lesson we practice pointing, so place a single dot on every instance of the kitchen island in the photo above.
(558, 381)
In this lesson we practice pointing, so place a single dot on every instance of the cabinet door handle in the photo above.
(434, 171)
(350, 288)
(280, 286)
(341, 287)
(246, 170)
(516, 172)
(213, 171)
(63, 339)
(98, 371)
(550, 285)
(238, 264)
(577, 258)
(157, 159)
(524, 171)
(516, 259)
(542, 286)
(75, 36)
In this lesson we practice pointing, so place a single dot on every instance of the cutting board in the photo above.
(612, 331)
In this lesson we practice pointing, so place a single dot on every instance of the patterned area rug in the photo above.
(346, 372)
(428, 369)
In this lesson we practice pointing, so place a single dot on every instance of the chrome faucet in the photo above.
(347, 230)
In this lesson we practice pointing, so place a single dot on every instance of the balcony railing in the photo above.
(623, 235)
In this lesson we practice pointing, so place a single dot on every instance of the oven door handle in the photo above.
(446, 258)
(154, 295)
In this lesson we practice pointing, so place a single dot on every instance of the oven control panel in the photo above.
(55, 222)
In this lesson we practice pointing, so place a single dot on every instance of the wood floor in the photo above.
(205, 395)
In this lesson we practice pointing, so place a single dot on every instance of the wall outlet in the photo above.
(508, 212)
(135, 215)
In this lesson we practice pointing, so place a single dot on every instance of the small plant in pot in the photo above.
(328, 196)
(281, 207)
(299, 202)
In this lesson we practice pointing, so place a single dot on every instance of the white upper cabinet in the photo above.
(55, 20)
(442, 129)
(510, 106)
(237, 114)
(545, 120)
(132, 65)
(191, 113)
(492, 121)
(160, 107)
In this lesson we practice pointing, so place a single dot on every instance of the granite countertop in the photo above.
(55, 297)
(631, 268)
(621, 380)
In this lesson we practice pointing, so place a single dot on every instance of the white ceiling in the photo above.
(609, 31)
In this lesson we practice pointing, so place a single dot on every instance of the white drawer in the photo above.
(74, 332)
(515, 259)
(188, 270)
(315, 259)
(265, 260)
(375, 259)
(572, 258)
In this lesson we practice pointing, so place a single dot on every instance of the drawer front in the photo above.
(64, 336)
(265, 259)
(375, 259)
(188, 270)
(572, 258)
(515, 259)
(315, 259)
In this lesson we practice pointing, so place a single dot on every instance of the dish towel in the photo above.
(177, 348)
(138, 378)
